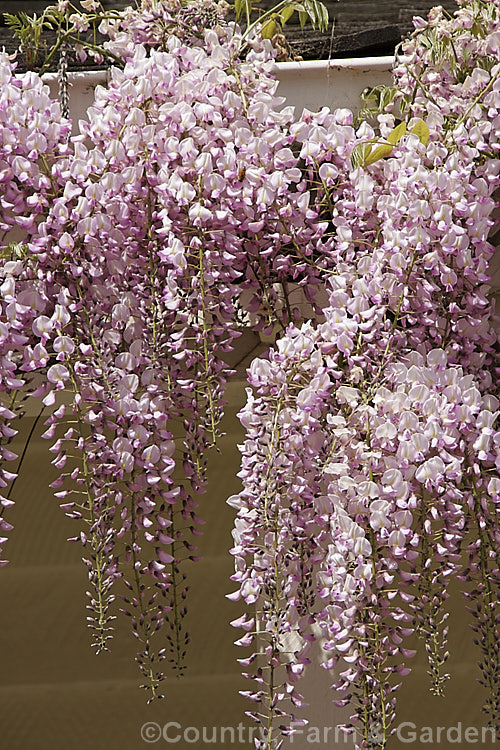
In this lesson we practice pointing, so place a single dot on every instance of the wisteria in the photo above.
(370, 467)
(192, 203)
(144, 232)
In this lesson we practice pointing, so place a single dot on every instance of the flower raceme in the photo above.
(123, 288)
(366, 469)
(346, 490)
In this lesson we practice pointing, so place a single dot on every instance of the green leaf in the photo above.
(314, 11)
(50, 20)
(360, 154)
(477, 29)
(12, 20)
(324, 18)
(242, 6)
(379, 153)
(371, 94)
(421, 129)
(398, 132)
(387, 96)
(269, 29)
(385, 149)
(302, 18)
(286, 14)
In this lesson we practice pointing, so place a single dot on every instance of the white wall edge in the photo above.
(85, 77)
(95, 77)
(348, 63)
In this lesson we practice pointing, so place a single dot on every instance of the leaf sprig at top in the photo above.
(81, 28)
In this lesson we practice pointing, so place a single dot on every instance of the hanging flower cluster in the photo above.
(356, 506)
(32, 137)
(191, 203)
(152, 24)
(370, 467)
(139, 236)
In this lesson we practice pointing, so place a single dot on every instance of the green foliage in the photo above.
(275, 18)
(243, 7)
(314, 11)
(376, 99)
(396, 134)
(14, 251)
(29, 30)
(422, 131)
(359, 154)
(363, 154)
